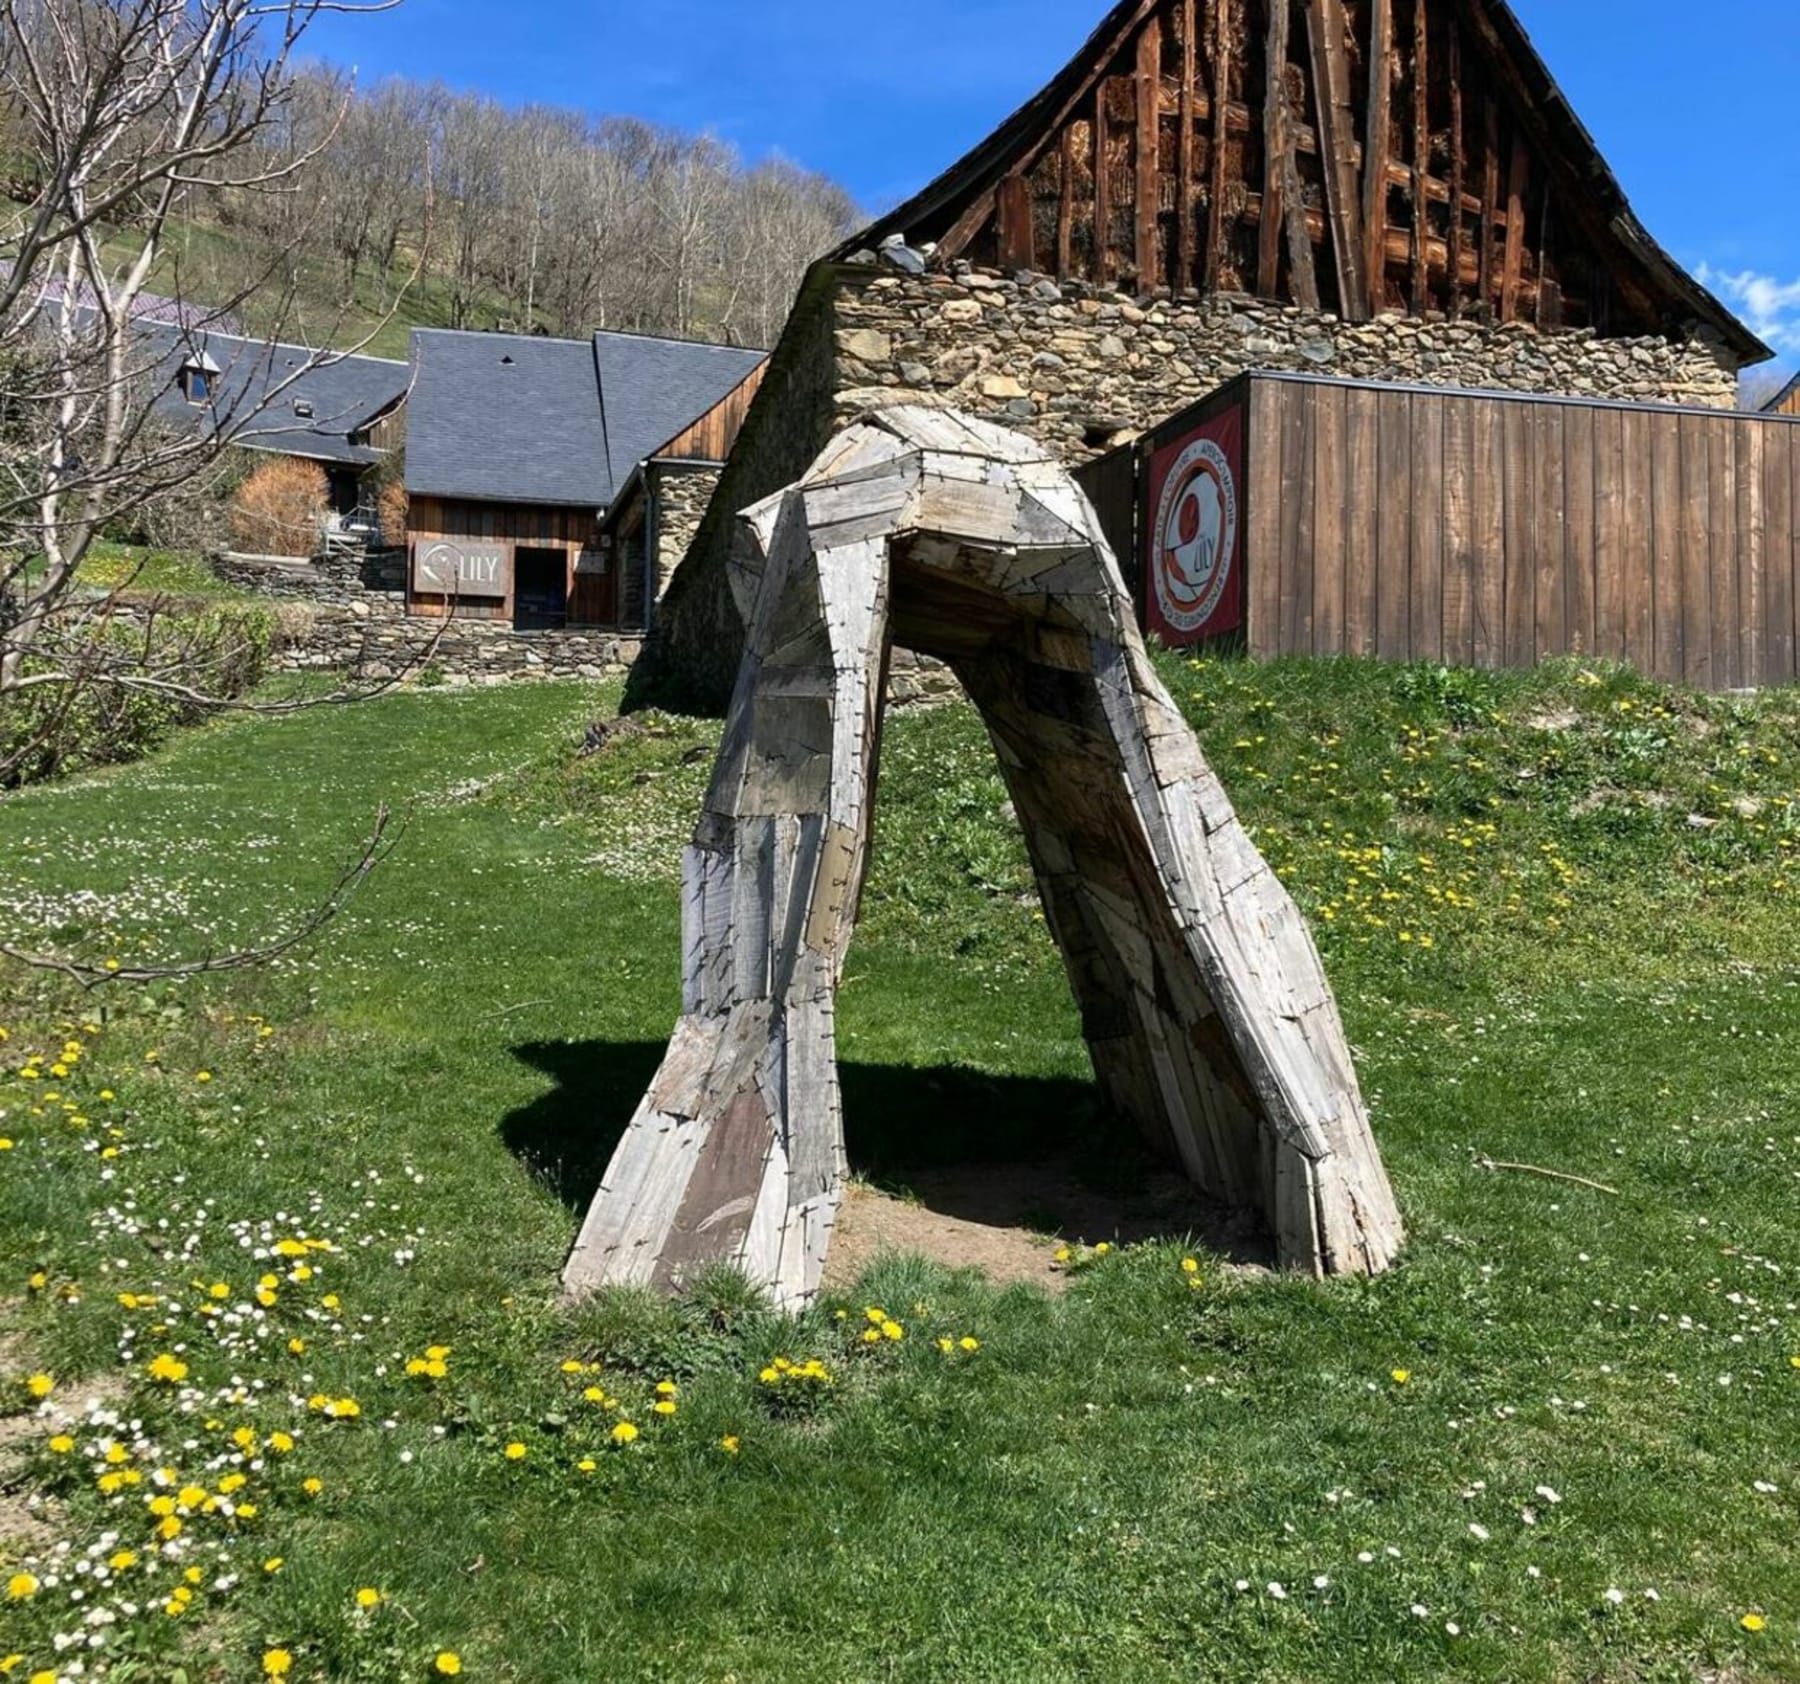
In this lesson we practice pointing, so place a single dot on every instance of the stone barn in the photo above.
(1389, 190)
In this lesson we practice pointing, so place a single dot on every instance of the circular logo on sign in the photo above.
(439, 566)
(1196, 536)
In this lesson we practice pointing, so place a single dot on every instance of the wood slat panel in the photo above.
(1781, 565)
(1520, 647)
(1331, 491)
(1296, 515)
(1263, 519)
(1549, 524)
(1298, 566)
(1637, 540)
(1362, 521)
(1721, 564)
(1393, 628)
(1487, 532)
(1753, 600)
(1428, 545)
(1579, 530)
(1666, 659)
(1610, 557)
(1459, 535)
(1696, 551)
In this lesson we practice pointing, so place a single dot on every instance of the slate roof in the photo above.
(515, 419)
(253, 403)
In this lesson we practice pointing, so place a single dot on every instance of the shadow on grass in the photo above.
(1014, 1152)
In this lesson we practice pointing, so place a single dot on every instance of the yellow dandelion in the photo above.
(21, 1587)
(1400, 1376)
(448, 1662)
(61, 1444)
(277, 1663)
(1753, 1623)
(40, 1385)
(312, 1487)
(368, 1597)
(664, 1406)
(969, 1343)
(170, 1370)
(516, 1452)
(729, 1444)
(624, 1433)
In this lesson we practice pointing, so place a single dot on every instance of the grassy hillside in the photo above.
(1555, 1444)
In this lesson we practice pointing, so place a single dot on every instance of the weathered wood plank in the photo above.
(1456, 184)
(1666, 577)
(1696, 551)
(1637, 541)
(1362, 521)
(1752, 530)
(1275, 151)
(1185, 196)
(1376, 148)
(1549, 531)
(1579, 529)
(1517, 183)
(1300, 560)
(1393, 588)
(1521, 513)
(1150, 267)
(1421, 157)
(1262, 541)
(1487, 534)
(1330, 489)
(1296, 521)
(1722, 574)
(1490, 208)
(1016, 234)
(1220, 184)
(1103, 212)
(1609, 539)
(1329, 36)
(1426, 635)
(1459, 538)
(1065, 205)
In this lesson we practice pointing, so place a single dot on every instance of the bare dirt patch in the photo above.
(1008, 1219)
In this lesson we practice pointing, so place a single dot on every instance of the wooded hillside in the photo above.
(535, 219)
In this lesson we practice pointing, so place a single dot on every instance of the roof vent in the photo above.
(303, 409)
(506, 362)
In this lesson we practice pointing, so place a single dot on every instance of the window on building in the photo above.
(196, 383)
(303, 409)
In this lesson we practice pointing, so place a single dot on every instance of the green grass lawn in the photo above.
(1560, 912)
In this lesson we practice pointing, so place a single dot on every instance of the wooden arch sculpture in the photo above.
(1202, 997)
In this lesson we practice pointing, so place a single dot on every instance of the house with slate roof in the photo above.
(520, 448)
(345, 412)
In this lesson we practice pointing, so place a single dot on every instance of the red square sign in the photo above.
(1193, 540)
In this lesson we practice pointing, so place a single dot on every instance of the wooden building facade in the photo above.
(1475, 528)
(1786, 401)
(1354, 156)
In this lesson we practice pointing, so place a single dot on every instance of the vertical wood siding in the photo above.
(1490, 531)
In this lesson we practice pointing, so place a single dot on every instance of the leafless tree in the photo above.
(127, 113)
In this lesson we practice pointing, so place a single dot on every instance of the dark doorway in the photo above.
(540, 589)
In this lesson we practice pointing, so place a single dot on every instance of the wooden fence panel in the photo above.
(1753, 603)
(1362, 521)
(1722, 438)
(1297, 541)
(1459, 560)
(1696, 551)
(1518, 473)
(1263, 528)
(1331, 498)
(1665, 552)
(1428, 549)
(1487, 504)
(1548, 526)
(1612, 558)
(1779, 465)
(1393, 632)
(1578, 530)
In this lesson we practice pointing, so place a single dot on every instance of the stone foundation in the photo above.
(1084, 371)
(378, 640)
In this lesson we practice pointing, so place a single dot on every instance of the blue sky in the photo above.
(1700, 129)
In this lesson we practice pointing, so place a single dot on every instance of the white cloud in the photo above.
(1770, 308)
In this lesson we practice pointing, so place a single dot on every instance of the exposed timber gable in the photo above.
(1357, 156)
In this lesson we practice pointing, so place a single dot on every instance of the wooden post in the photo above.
(1190, 71)
(1490, 209)
(1221, 105)
(1458, 219)
(1518, 179)
(1421, 149)
(1212, 1022)
(1331, 97)
(1149, 154)
(1065, 207)
(1103, 252)
(1376, 149)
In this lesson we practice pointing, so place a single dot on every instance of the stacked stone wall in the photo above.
(1083, 371)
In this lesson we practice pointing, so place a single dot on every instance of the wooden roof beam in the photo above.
(1375, 149)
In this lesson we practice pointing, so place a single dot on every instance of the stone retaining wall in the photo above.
(376, 639)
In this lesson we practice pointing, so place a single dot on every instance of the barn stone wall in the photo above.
(1082, 371)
